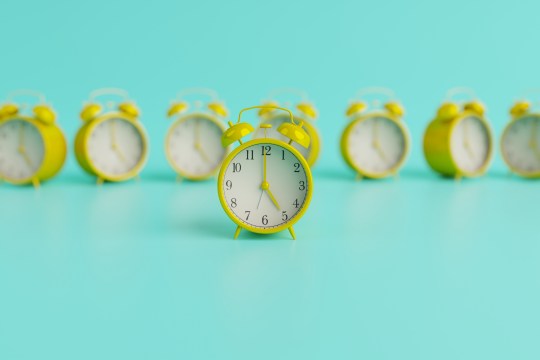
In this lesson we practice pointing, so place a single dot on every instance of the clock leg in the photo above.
(99, 181)
(137, 178)
(179, 179)
(291, 230)
(396, 176)
(237, 232)
(359, 177)
(458, 177)
(35, 182)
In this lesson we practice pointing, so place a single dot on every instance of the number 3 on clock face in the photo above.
(265, 200)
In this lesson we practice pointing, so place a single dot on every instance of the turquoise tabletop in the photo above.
(414, 267)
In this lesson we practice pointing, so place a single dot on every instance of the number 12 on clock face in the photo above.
(265, 186)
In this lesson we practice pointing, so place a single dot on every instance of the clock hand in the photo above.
(112, 128)
(203, 153)
(22, 149)
(381, 153)
(466, 143)
(265, 186)
(26, 158)
(468, 148)
(114, 143)
(260, 198)
(272, 197)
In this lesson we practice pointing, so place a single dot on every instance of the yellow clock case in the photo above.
(54, 141)
(358, 112)
(437, 138)
(215, 112)
(92, 116)
(295, 133)
(305, 113)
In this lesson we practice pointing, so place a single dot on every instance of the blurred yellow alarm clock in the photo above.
(193, 142)
(458, 142)
(265, 185)
(32, 146)
(305, 113)
(111, 144)
(376, 142)
(520, 141)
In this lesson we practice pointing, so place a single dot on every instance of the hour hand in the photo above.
(266, 187)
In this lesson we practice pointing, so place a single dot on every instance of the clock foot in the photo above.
(359, 177)
(237, 232)
(458, 177)
(291, 230)
(99, 181)
(137, 178)
(179, 179)
(396, 176)
(35, 182)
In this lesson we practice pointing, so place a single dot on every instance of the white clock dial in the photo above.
(521, 144)
(273, 133)
(470, 144)
(243, 191)
(376, 145)
(21, 150)
(116, 147)
(194, 146)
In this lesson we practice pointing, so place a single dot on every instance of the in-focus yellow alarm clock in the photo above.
(520, 141)
(193, 143)
(32, 146)
(458, 142)
(265, 185)
(305, 113)
(376, 142)
(112, 144)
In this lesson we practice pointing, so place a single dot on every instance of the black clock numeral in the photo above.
(236, 167)
(266, 150)
(284, 216)
(248, 213)
(296, 204)
(282, 154)
(302, 186)
(296, 167)
(233, 203)
(228, 184)
(265, 220)
(249, 154)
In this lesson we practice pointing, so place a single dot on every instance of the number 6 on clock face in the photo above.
(264, 186)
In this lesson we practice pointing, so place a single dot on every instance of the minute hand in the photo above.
(266, 186)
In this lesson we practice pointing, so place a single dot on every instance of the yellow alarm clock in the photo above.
(265, 185)
(520, 141)
(193, 142)
(32, 146)
(375, 144)
(458, 142)
(305, 113)
(112, 144)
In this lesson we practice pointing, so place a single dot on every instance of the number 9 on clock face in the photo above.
(265, 186)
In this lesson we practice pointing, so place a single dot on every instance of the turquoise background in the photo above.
(415, 268)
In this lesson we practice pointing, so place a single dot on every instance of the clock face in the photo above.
(273, 133)
(521, 144)
(470, 144)
(116, 147)
(265, 206)
(21, 150)
(376, 145)
(194, 146)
